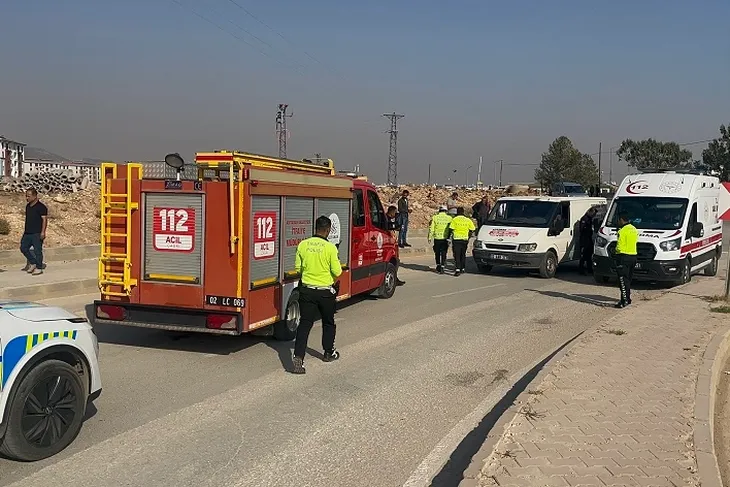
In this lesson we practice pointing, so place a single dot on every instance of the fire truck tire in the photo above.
(286, 329)
(387, 288)
(52, 389)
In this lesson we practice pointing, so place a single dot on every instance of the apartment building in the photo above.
(11, 157)
(78, 168)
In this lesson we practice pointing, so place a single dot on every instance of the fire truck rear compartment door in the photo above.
(173, 238)
(265, 231)
(337, 210)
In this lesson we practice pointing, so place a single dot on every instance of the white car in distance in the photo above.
(49, 372)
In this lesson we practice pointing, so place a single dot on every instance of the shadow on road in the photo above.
(594, 299)
(453, 472)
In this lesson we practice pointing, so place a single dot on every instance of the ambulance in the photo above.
(211, 248)
(532, 232)
(677, 215)
(49, 372)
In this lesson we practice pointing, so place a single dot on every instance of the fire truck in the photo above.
(212, 249)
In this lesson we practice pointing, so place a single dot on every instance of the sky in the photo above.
(137, 79)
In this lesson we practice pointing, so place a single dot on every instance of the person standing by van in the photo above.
(36, 221)
(628, 237)
(585, 228)
(404, 211)
(452, 203)
(461, 229)
(438, 233)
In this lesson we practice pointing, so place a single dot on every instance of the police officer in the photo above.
(438, 233)
(461, 229)
(319, 265)
(586, 240)
(625, 257)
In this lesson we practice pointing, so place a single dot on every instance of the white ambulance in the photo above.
(49, 372)
(532, 232)
(677, 215)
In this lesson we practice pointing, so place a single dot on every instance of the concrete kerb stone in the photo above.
(37, 292)
(715, 356)
(52, 254)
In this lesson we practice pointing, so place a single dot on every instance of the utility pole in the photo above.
(429, 174)
(318, 157)
(393, 153)
(599, 167)
(479, 173)
(501, 163)
(281, 130)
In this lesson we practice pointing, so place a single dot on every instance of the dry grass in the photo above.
(616, 332)
(725, 309)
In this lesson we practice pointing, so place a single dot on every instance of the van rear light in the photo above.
(109, 312)
(221, 322)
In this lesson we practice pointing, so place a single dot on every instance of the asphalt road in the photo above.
(192, 410)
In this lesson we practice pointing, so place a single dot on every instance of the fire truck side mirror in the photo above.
(175, 161)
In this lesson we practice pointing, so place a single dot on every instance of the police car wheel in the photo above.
(46, 412)
(387, 288)
(286, 329)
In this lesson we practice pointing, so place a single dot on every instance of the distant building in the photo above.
(78, 168)
(11, 157)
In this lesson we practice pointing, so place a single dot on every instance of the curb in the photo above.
(53, 254)
(36, 292)
(713, 360)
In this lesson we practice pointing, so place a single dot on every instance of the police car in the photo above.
(49, 371)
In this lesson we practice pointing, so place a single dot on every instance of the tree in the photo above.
(650, 153)
(716, 158)
(563, 162)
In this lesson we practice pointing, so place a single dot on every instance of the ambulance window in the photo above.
(377, 215)
(693, 214)
(358, 209)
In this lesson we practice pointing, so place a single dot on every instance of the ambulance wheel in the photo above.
(45, 413)
(549, 265)
(286, 329)
(484, 268)
(686, 275)
(711, 270)
(387, 288)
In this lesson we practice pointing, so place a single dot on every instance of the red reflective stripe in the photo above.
(701, 244)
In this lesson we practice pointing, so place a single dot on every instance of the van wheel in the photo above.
(387, 288)
(711, 270)
(286, 329)
(484, 268)
(549, 265)
(46, 413)
(686, 275)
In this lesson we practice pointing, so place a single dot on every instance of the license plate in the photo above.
(226, 301)
(637, 265)
(498, 257)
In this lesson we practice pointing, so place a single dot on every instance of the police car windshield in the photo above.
(523, 213)
(649, 213)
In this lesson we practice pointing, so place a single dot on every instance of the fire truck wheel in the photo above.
(46, 412)
(387, 288)
(286, 330)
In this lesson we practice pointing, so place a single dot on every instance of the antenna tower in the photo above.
(281, 131)
(393, 154)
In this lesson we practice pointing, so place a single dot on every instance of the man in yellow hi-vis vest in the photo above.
(438, 233)
(461, 229)
(628, 237)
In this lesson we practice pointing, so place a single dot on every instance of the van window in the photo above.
(565, 213)
(377, 215)
(649, 212)
(522, 213)
(358, 209)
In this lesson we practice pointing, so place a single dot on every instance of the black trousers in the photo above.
(440, 249)
(460, 254)
(586, 253)
(314, 302)
(625, 269)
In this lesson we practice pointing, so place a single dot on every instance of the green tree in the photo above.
(716, 158)
(563, 162)
(650, 153)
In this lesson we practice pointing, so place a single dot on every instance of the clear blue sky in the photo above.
(135, 79)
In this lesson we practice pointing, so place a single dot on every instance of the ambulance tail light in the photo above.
(109, 312)
(221, 322)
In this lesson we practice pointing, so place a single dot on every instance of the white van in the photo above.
(531, 232)
(680, 233)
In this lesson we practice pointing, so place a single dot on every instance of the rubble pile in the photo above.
(47, 182)
(425, 200)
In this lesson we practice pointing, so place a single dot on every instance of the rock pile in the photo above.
(47, 182)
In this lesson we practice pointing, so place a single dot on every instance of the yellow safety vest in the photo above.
(317, 262)
(439, 227)
(461, 226)
(628, 237)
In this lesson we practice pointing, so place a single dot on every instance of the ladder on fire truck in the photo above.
(115, 265)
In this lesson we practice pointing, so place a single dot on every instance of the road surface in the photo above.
(192, 410)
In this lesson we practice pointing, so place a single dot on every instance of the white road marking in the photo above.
(466, 290)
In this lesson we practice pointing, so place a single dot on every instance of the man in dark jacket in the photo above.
(391, 216)
(586, 240)
(480, 211)
(404, 211)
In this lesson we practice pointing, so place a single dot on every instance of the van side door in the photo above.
(562, 241)
(378, 235)
(360, 257)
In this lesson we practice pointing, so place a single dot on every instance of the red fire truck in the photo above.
(214, 252)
